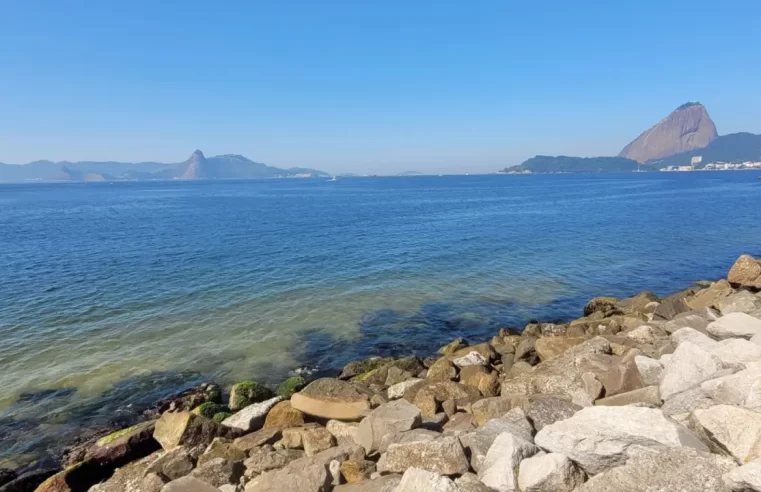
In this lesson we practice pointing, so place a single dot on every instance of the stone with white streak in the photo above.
(735, 325)
(252, 417)
(502, 460)
(396, 391)
(551, 472)
(470, 359)
(600, 438)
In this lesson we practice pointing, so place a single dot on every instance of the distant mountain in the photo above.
(687, 128)
(197, 166)
(410, 173)
(566, 164)
(736, 147)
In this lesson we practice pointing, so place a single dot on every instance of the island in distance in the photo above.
(197, 166)
(687, 133)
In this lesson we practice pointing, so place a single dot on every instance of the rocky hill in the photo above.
(687, 128)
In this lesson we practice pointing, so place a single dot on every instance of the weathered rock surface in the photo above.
(735, 325)
(600, 438)
(331, 399)
(188, 484)
(396, 391)
(444, 456)
(478, 442)
(737, 351)
(390, 418)
(430, 397)
(561, 375)
(283, 415)
(689, 366)
(649, 369)
(648, 395)
(746, 478)
(252, 417)
(344, 432)
(733, 389)
(386, 483)
(498, 470)
(218, 472)
(551, 347)
(310, 474)
(258, 438)
(746, 272)
(221, 448)
(551, 472)
(414, 435)
(740, 302)
(420, 480)
(494, 407)
(731, 430)
(545, 410)
(267, 458)
(186, 429)
(675, 469)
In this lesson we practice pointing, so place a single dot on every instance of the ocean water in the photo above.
(113, 295)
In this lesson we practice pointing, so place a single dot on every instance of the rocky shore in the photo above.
(639, 394)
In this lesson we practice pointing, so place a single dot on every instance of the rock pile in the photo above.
(640, 394)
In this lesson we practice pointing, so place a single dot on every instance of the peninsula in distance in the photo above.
(686, 139)
(197, 166)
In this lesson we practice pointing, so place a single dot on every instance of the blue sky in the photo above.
(366, 86)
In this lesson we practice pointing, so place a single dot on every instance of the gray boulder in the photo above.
(444, 456)
(741, 302)
(746, 478)
(735, 325)
(478, 442)
(551, 472)
(649, 369)
(545, 410)
(600, 438)
(420, 480)
(730, 430)
(505, 454)
(219, 471)
(389, 418)
(733, 389)
(675, 469)
(188, 484)
(408, 436)
(688, 366)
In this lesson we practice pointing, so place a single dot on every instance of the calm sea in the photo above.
(115, 294)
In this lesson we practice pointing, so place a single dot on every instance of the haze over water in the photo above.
(115, 294)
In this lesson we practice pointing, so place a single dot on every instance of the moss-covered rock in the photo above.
(357, 367)
(208, 409)
(219, 417)
(290, 386)
(248, 392)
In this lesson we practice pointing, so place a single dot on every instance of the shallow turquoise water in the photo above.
(113, 295)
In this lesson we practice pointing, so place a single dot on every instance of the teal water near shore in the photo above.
(116, 294)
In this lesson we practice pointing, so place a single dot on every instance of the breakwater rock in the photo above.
(639, 394)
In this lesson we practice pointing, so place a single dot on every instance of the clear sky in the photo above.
(380, 87)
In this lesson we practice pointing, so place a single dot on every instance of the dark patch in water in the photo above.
(46, 395)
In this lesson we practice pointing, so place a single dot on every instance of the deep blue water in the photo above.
(114, 294)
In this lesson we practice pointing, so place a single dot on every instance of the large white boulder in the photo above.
(731, 430)
(746, 478)
(600, 438)
(733, 389)
(502, 460)
(252, 417)
(688, 366)
(418, 480)
(735, 325)
(551, 472)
